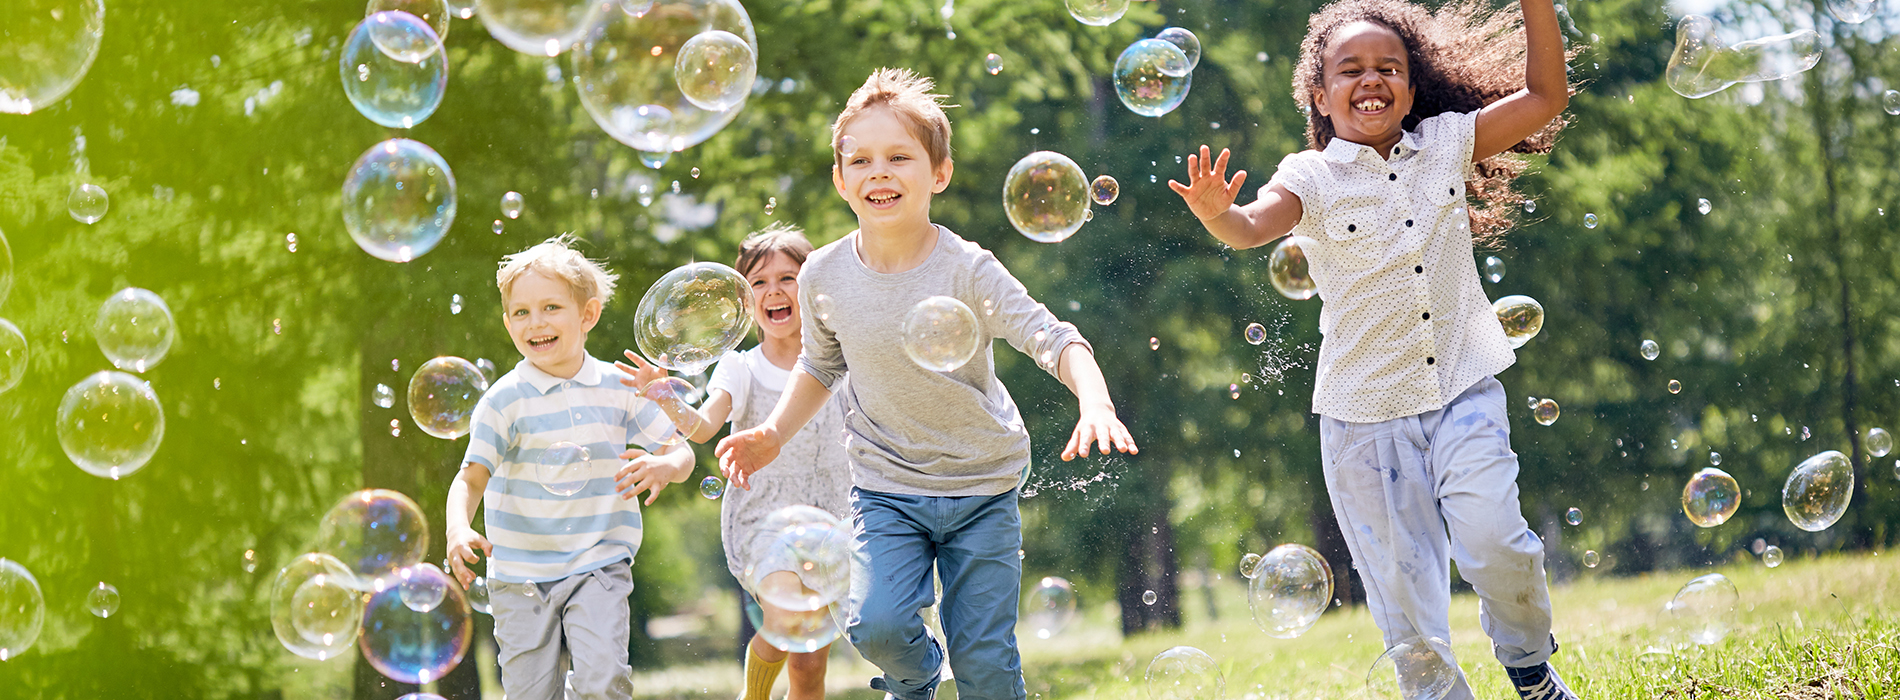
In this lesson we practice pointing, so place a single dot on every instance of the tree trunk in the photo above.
(1149, 566)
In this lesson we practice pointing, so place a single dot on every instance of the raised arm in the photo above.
(1211, 197)
(705, 420)
(748, 451)
(1502, 124)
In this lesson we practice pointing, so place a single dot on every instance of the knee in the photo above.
(876, 637)
(601, 682)
(1505, 545)
(808, 665)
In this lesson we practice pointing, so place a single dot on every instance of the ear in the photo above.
(590, 314)
(837, 181)
(943, 176)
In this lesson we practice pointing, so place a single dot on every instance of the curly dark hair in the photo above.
(1462, 57)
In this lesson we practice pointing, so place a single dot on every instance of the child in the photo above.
(936, 457)
(558, 564)
(809, 470)
(1414, 441)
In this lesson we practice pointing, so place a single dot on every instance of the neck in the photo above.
(565, 369)
(898, 248)
(782, 352)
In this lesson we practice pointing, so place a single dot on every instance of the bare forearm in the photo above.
(1083, 376)
(465, 495)
(680, 459)
(1236, 227)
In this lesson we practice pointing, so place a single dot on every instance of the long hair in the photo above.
(1462, 57)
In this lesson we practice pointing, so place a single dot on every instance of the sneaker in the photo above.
(1539, 682)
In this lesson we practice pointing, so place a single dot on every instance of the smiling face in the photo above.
(888, 181)
(1366, 85)
(547, 324)
(775, 293)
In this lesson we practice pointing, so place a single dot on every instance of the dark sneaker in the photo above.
(1539, 682)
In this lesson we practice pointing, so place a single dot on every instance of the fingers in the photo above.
(1069, 450)
(1207, 163)
(633, 453)
(1220, 164)
(653, 493)
(1233, 187)
(638, 360)
(1178, 188)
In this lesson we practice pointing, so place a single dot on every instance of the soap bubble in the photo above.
(1046, 196)
(1890, 101)
(1418, 668)
(1530, 402)
(1704, 610)
(1818, 490)
(1184, 673)
(654, 117)
(422, 591)
(1151, 77)
(1249, 565)
(478, 595)
(1291, 587)
(1494, 269)
(411, 646)
(1050, 606)
(993, 63)
(1879, 441)
(385, 87)
(442, 396)
(1097, 13)
(1591, 558)
(134, 329)
(399, 200)
(511, 204)
(1149, 597)
(540, 27)
(110, 424)
(1851, 11)
(1530, 206)
(1545, 412)
(626, 68)
(1189, 44)
(671, 394)
(941, 334)
(22, 609)
(814, 548)
(1589, 220)
(402, 44)
(692, 316)
(1711, 497)
(1154, 343)
(564, 468)
(455, 304)
(1703, 64)
(487, 368)
(384, 396)
(13, 356)
(87, 203)
(1771, 556)
(1521, 316)
(46, 47)
(314, 614)
(716, 70)
(1287, 269)
(1256, 334)
(1650, 349)
(712, 488)
(6, 270)
(1574, 516)
(103, 600)
(1233, 391)
(1675, 387)
(847, 146)
(1104, 190)
(1703, 207)
(374, 533)
(800, 631)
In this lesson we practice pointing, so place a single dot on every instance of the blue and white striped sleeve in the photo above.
(647, 425)
(488, 434)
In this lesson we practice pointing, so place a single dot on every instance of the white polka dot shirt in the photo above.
(1407, 326)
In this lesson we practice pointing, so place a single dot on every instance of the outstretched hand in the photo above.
(1104, 429)
(745, 452)
(642, 371)
(1208, 192)
(463, 543)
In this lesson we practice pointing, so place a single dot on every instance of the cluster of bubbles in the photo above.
(1046, 196)
(50, 46)
(1049, 607)
(692, 316)
(394, 68)
(1703, 64)
(398, 200)
(1521, 316)
(1288, 589)
(941, 334)
(1287, 269)
(442, 396)
(799, 577)
(1416, 668)
(1152, 76)
(22, 609)
(1184, 673)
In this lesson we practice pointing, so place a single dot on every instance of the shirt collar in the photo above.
(1343, 151)
(590, 374)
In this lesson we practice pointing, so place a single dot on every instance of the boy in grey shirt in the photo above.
(936, 457)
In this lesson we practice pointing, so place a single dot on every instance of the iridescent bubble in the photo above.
(1097, 13)
(384, 396)
(1574, 516)
(1703, 64)
(398, 200)
(1233, 391)
(1817, 492)
(1287, 269)
(403, 45)
(1771, 556)
(384, 87)
(88, 203)
(695, 173)
(422, 591)
(416, 646)
(374, 533)
(1591, 558)
(1184, 673)
(110, 424)
(800, 631)
(511, 204)
(497, 227)
(478, 595)
(692, 316)
(1530, 402)
(1650, 349)
(1715, 458)
(1151, 77)
(626, 68)
(313, 613)
(1255, 334)
(442, 396)
(134, 329)
(1589, 220)
(712, 488)
(250, 561)
(13, 356)
(1418, 668)
(993, 63)
(1704, 610)
(1249, 565)
(1149, 597)
(540, 27)
(1189, 44)
(1154, 343)
(1104, 190)
(487, 369)
(1521, 316)
(1879, 441)
(716, 70)
(808, 566)
(1890, 101)
(1049, 607)
(564, 468)
(1851, 11)
(1291, 587)
(22, 609)
(1675, 387)
(1530, 206)
(1545, 412)
(47, 46)
(673, 395)
(1710, 497)
(941, 334)
(103, 600)
(1046, 196)
(1494, 269)
(1703, 207)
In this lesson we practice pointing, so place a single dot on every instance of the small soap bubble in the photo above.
(1703, 206)
(1545, 412)
(1291, 586)
(384, 396)
(290, 242)
(103, 600)
(1705, 609)
(1494, 269)
(1151, 77)
(1817, 491)
(847, 146)
(398, 200)
(563, 468)
(1189, 44)
(422, 591)
(277, 326)
(134, 329)
(770, 204)
(1233, 391)
(442, 396)
(1184, 673)
(941, 334)
(1675, 387)
(487, 368)
(88, 203)
(1046, 196)
(1879, 442)
(1287, 269)
(511, 204)
(993, 63)
(692, 316)
(1710, 497)
(1589, 220)
(1703, 64)
(1890, 101)
(655, 159)
(1771, 556)
(313, 611)
(478, 597)
(1154, 343)
(1104, 190)
(1715, 459)
(1049, 607)
(715, 70)
(1249, 565)
(712, 488)
(1097, 13)
(1415, 668)
(1256, 334)
(1148, 597)
(1530, 206)
(1521, 316)
(110, 424)
(1591, 558)
(1530, 402)
(695, 173)
(250, 561)
(821, 306)
(1574, 516)
(1650, 349)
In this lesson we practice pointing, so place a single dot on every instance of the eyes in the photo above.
(861, 160)
(783, 279)
(523, 313)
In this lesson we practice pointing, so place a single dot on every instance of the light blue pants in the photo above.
(973, 540)
(1413, 494)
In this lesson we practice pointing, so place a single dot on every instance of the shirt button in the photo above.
(1431, 360)
(1420, 269)
(1352, 227)
(1392, 176)
(1427, 315)
(1408, 223)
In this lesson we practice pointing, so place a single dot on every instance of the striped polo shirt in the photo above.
(538, 535)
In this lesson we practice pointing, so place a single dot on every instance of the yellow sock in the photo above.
(759, 675)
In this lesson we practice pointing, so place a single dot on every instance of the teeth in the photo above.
(1370, 105)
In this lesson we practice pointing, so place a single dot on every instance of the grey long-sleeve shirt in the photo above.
(910, 430)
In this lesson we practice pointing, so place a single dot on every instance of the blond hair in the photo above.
(909, 96)
(557, 259)
(779, 237)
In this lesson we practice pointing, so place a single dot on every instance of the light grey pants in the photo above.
(1398, 486)
(579, 622)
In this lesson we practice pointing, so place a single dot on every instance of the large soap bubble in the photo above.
(801, 631)
(315, 615)
(1817, 492)
(1097, 13)
(625, 70)
(941, 334)
(442, 396)
(1711, 497)
(13, 356)
(1704, 610)
(1185, 673)
(1291, 586)
(416, 646)
(1050, 606)
(1189, 44)
(110, 424)
(808, 565)
(715, 70)
(399, 200)
(564, 468)
(374, 533)
(134, 329)
(692, 316)
(1851, 11)
(404, 45)
(46, 46)
(1703, 64)
(22, 609)
(1151, 77)
(1287, 269)
(541, 27)
(1418, 668)
(1046, 196)
(385, 85)
(1521, 316)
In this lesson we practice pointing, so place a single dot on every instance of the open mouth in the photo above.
(543, 342)
(779, 314)
(1370, 104)
(883, 198)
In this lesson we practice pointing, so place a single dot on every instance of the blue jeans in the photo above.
(974, 542)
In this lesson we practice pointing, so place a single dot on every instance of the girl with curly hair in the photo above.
(1410, 113)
